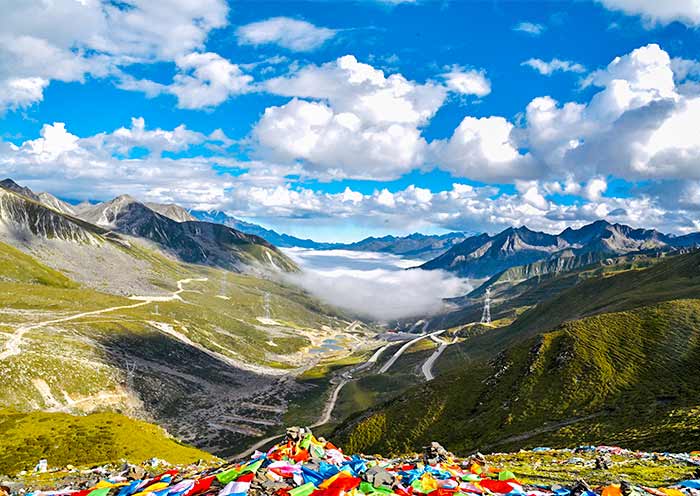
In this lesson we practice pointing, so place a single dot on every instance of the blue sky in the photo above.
(337, 120)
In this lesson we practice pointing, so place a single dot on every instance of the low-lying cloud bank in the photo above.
(374, 285)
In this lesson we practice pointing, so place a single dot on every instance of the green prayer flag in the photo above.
(234, 473)
(303, 490)
(305, 442)
(103, 491)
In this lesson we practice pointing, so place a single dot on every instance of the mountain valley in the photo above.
(138, 309)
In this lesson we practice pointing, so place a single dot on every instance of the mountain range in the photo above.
(537, 253)
(594, 339)
(26, 215)
(416, 245)
(607, 354)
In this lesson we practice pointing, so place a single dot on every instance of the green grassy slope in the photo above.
(511, 294)
(210, 350)
(616, 358)
(17, 267)
(88, 440)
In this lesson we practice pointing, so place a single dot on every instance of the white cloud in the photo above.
(67, 40)
(595, 188)
(374, 285)
(684, 69)
(462, 207)
(354, 87)
(554, 65)
(293, 34)
(100, 167)
(207, 80)
(467, 82)
(360, 124)
(659, 11)
(531, 28)
(123, 140)
(638, 125)
(530, 193)
(483, 149)
(337, 145)
(21, 92)
(94, 167)
(202, 81)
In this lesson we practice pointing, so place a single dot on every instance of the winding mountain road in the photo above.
(13, 345)
(427, 367)
(406, 346)
(328, 407)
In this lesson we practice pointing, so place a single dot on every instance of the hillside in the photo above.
(139, 260)
(512, 291)
(538, 253)
(84, 441)
(615, 359)
(226, 347)
(191, 241)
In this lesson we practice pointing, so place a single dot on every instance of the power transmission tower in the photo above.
(130, 368)
(486, 316)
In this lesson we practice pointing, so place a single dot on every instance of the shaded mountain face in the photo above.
(192, 241)
(414, 245)
(22, 218)
(25, 215)
(484, 256)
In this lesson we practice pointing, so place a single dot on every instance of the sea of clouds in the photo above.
(374, 285)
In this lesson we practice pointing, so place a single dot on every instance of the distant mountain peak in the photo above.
(10, 185)
(485, 255)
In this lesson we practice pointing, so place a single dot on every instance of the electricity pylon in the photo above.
(486, 316)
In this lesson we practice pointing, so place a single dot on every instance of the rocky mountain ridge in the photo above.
(24, 215)
(485, 255)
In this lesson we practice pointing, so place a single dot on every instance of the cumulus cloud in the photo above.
(658, 12)
(338, 144)
(206, 80)
(353, 87)
(102, 166)
(202, 81)
(360, 123)
(462, 207)
(554, 65)
(21, 92)
(99, 167)
(637, 125)
(530, 28)
(467, 82)
(349, 120)
(293, 34)
(483, 149)
(374, 285)
(66, 40)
